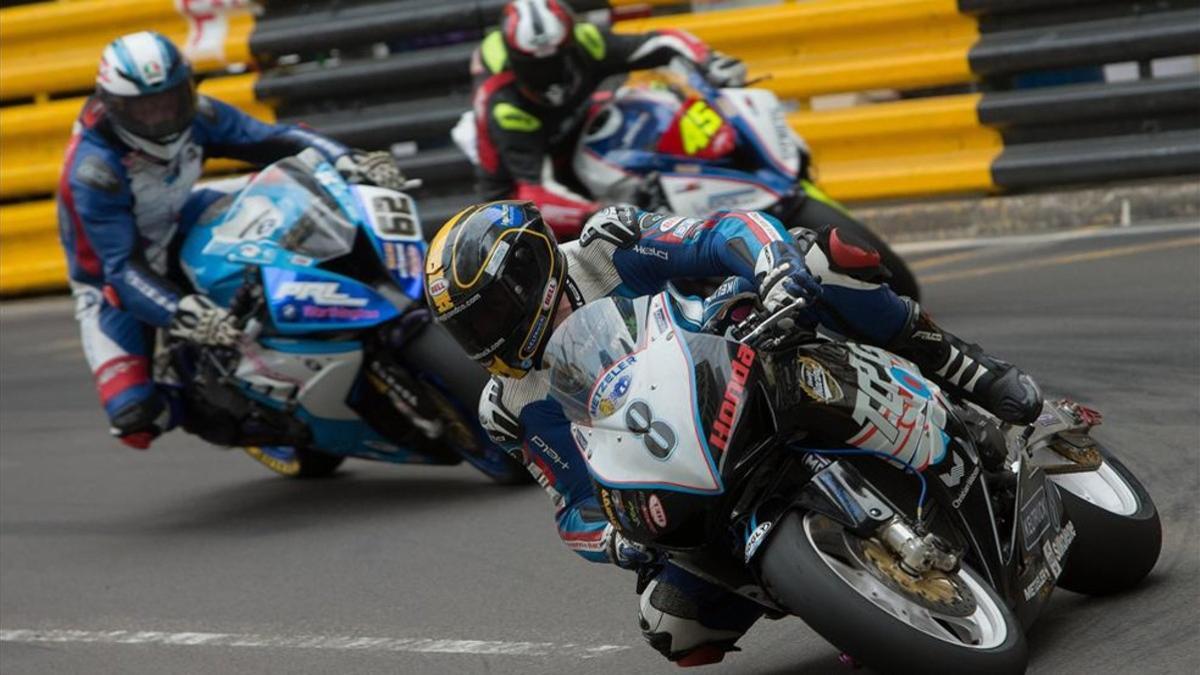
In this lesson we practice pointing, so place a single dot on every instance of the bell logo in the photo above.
(323, 293)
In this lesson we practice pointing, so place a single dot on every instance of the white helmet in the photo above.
(146, 87)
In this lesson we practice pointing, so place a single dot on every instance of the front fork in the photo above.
(838, 491)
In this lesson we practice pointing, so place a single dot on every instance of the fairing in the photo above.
(653, 409)
(333, 259)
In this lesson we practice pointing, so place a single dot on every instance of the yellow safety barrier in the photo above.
(922, 146)
(31, 258)
(831, 46)
(54, 46)
(33, 137)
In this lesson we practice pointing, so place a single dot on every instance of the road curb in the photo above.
(1035, 212)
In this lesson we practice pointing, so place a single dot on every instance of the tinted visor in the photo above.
(155, 116)
(497, 320)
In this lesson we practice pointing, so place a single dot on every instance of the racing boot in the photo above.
(966, 371)
(691, 621)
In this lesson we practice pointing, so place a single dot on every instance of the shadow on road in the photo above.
(271, 505)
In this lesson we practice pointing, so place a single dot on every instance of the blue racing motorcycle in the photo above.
(339, 357)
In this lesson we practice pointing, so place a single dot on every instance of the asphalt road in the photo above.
(192, 559)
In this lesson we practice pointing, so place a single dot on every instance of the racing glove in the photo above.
(371, 168)
(200, 320)
(783, 278)
(628, 554)
(617, 224)
(723, 70)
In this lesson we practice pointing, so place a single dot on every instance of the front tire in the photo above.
(1118, 531)
(815, 568)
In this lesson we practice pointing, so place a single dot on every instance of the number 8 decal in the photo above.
(657, 435)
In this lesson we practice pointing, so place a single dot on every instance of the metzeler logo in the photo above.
(734, 391)
(323, 293)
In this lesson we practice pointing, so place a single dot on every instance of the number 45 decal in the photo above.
(698, 126)
(394, 217)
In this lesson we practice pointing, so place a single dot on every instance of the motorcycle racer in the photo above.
(125, 198)
(534, 77)
(499, 282)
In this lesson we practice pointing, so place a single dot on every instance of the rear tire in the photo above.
(459, 383)
(1112, 551)
(804, 581)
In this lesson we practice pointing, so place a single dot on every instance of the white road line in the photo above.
(333, 642)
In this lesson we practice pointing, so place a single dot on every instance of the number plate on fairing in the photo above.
(646, 431)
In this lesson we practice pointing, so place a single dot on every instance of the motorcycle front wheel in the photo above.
(851, 591)
(1118, 534)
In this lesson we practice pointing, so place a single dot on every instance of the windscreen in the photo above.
(590, 357)
(285, 204)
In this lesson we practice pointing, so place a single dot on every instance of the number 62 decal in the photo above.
(395, 217)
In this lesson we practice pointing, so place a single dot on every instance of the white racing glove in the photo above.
(202, 321)
(371, 168)
(628, 554)
(723, 70)
(783, 277)
(618, 224)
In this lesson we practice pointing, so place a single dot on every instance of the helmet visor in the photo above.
(157, 116)
(502, 317)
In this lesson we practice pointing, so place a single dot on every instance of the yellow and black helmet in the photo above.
(493, 278)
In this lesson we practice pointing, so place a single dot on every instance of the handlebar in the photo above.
(763, 330)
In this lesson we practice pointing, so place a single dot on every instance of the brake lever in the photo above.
(773, 320)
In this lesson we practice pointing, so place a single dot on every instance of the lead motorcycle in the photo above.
(695, 446)
(339, 358)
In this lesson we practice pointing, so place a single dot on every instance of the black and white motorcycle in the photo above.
(754, 460)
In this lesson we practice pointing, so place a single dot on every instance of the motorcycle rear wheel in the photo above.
(1118, 531)
(815, 568)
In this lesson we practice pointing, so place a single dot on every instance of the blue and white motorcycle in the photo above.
(340, 357)
(674, 142)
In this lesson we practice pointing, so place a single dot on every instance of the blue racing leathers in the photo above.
(119, 213)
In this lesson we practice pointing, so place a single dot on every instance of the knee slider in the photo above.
(851, 254)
